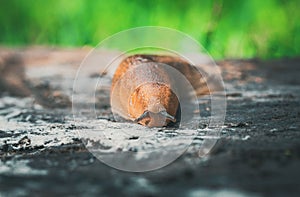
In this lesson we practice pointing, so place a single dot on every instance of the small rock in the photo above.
(246, 137)
(24, 141)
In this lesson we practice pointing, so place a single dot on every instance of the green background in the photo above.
(232, 28)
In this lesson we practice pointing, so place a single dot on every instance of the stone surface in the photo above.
(257, 153)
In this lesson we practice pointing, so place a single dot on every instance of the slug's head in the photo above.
(153, 105)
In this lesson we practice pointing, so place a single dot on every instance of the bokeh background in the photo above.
(226, 28)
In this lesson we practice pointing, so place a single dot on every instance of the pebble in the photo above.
(246, 137)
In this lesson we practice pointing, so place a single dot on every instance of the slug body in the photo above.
(142, 88)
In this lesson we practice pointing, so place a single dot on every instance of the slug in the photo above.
(144, 94)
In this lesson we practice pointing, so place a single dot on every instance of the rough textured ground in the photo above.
(257, 154)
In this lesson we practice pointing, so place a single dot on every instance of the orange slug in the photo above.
(144, 94)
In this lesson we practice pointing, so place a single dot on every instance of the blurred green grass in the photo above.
(228, 28)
